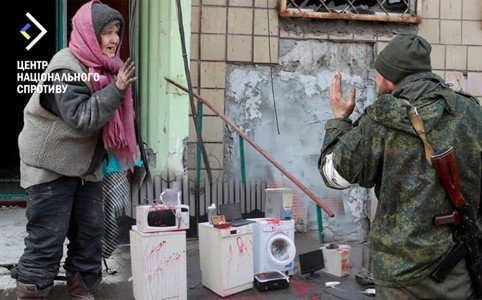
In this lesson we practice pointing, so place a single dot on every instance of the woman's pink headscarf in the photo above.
(118, 134)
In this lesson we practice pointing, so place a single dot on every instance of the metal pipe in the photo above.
(259, 149)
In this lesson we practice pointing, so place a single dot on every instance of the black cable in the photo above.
(271, 69)
(189, 87)
(135, 94)
(194, 114)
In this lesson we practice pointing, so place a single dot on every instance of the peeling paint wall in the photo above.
(301, 83)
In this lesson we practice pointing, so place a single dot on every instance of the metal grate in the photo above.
(404, 11)
(251, 196)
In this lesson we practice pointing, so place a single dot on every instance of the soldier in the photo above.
(382, 150)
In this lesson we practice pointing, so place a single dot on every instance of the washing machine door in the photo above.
(281, 249)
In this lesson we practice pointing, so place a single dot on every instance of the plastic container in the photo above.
(337, 259)
(171, 197)
(211, 212)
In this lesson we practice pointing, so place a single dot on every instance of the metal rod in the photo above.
(259, 149)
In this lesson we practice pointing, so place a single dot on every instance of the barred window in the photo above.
(403, 11)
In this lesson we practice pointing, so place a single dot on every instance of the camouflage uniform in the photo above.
(382, 150)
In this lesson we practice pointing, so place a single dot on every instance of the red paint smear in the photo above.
(156, 207)
(315, 298)
(240, 242)
(157, 248)
(274, 221)
(300, 288)
(241, 246)
(230, 259)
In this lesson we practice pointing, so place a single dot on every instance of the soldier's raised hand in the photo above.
(340, 107)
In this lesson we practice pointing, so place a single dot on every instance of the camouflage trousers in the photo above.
(457, 285)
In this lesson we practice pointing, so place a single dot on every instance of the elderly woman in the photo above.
(63, 141)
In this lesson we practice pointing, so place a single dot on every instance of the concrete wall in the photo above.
(301, 83)
(230, 68)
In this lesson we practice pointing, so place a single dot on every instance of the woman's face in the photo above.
(109, 40)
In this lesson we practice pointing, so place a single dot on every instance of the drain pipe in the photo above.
(199, 148)
(243, 163)
(319, 218)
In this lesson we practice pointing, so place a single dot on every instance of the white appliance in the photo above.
(336, 259)
(162, 217)
(158, 264)
(274, 247)
(279, 203)
(226, 257)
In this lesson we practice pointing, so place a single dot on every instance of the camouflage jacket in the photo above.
(382, 150)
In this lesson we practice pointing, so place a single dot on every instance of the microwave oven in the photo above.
(162, 217)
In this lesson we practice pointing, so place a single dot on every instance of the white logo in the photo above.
(23, 31)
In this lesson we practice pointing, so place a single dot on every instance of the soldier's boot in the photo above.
(77, 289)
(27, 291)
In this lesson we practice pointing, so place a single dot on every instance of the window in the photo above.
(403, 11)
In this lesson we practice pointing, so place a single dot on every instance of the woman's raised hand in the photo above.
(125, 77)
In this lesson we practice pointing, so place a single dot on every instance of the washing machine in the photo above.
(273, 245)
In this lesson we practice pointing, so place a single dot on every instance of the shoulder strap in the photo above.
(417, 124)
